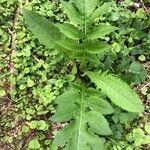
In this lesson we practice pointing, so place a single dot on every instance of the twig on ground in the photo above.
(13, 45)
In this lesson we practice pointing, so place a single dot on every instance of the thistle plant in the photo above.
(91, 96)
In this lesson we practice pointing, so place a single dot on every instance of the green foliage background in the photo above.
(40, 75)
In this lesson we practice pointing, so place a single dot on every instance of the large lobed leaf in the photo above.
(69, 30)
(101, 31)
(69, 44)
(118, 91)
(43, 29)
(94, 47)
(72, 137)
(101, 10)
(86, 7)
(98, 104)
(72, 13)
(97, 47)
(85, 122)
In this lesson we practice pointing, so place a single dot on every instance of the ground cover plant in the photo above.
(71, 80)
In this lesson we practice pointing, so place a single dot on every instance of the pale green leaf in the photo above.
(101, 31)
(34, 144)
(66, 103)
(98, 124)
(2, 92)
(101, 10)
(92, 58)
(118, 91)
(138, 133)
(81, 138)
(42, 125)
(68, 96)
(63, 136)
(46, 32)
(97, 47)
(30, 82)
(70, 112)
(69, 44)
(69, 30)
(99, 105)
(75, 136)
(146, 139)
(72, 13)
(33, 124)
(25, 129)
(77, 54)
(147, 127)
(86, 6)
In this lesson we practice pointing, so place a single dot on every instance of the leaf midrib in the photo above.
(80, 121)
(46, 33)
